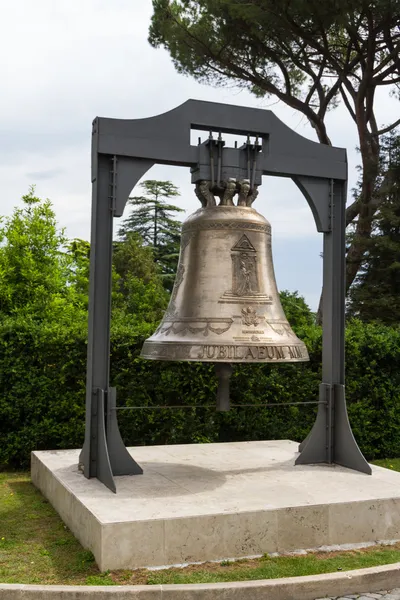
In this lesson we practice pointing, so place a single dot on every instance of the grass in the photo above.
(35, 545)
(280, 566)
(388, 463)
(37, 548)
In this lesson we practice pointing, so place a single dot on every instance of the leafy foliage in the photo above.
(43, 357)
(139, 294)
(42, 373)
(375, 294)
(297, 311)
(35, 269)
(79, 251)
(152, 218)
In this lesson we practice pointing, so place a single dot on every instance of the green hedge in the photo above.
(42, 374)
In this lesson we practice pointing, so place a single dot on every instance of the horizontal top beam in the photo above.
(165, 139)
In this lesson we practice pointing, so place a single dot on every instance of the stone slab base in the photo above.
(204, 502)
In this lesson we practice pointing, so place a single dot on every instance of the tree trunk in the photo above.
(369, 146)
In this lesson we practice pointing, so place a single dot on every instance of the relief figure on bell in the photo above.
(246, 273)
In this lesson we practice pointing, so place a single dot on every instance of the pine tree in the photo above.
(152, 218)
(375, 295)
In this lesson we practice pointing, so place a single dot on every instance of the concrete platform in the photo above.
(204, 502)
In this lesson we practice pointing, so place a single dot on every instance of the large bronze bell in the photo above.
(225, 306)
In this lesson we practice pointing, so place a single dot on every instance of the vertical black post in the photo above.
(345, 450)
(98, 351)
(333, 299)
(331, 439)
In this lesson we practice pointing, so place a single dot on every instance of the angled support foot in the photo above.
(316, 448)
(346, 450)
(94, 460)
(304, 442)
(121, 461)
(331, 439)
(104, 454)
(104, 470)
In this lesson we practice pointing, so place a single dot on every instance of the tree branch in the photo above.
(373, 123)
(284, 71)
(392, 55)
(352, 211)
(394, 68)
(387, 129)
(348, 105)
(328, 97)
(390, 81)
(369, 102)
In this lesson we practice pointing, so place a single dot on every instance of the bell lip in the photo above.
(146, 356)
(230, 361)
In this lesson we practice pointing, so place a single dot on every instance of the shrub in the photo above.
(42, 374)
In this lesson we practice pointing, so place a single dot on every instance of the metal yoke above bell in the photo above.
(225, 305)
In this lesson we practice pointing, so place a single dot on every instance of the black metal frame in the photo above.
(122, 152)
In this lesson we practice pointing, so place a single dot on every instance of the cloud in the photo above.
(63, 63)
(43, 175)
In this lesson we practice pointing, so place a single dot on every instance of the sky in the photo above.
(63, 63)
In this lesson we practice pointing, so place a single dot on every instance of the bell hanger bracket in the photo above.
(122, 152)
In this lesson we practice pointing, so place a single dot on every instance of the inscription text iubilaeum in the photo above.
(244, 353)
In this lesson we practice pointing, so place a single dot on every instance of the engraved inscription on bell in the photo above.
(225, 304)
